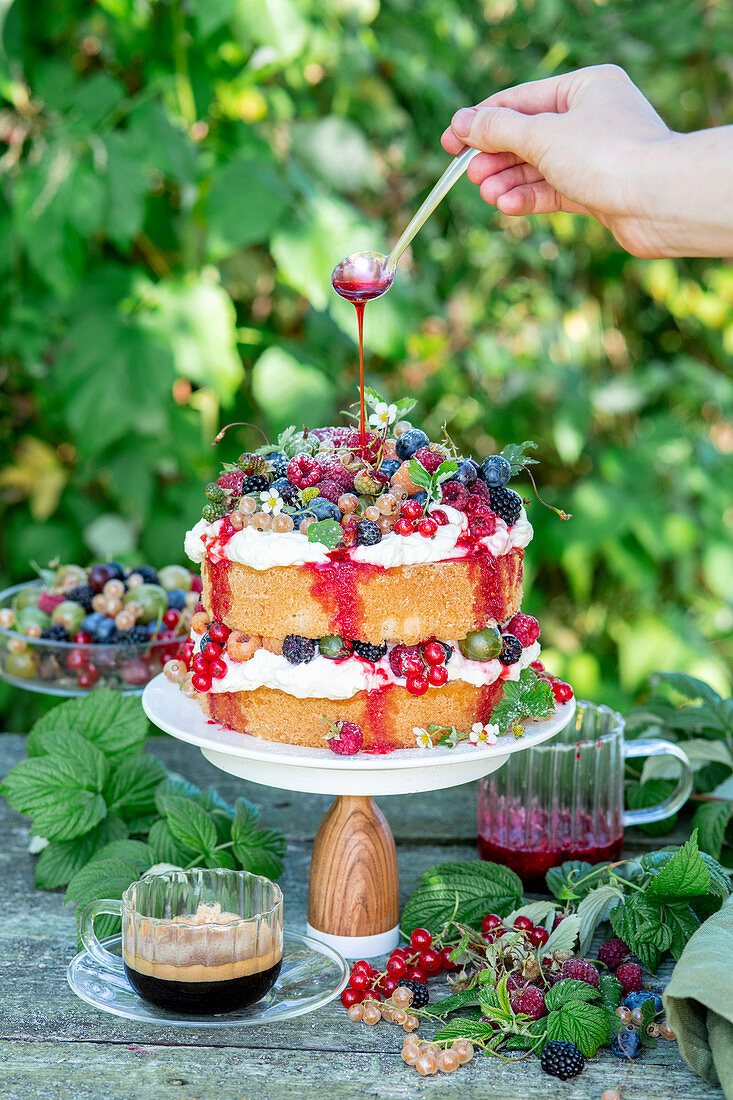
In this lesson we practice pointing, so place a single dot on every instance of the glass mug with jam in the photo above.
(200, 942)
(564, 799)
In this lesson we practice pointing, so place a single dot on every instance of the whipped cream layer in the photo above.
(266, 549)
(322, 678)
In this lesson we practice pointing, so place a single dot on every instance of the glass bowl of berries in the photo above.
(72, 630)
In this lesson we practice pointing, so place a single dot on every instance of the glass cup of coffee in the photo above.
(199, 942)
(564, 800)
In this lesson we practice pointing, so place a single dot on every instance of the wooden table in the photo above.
(54, 1046)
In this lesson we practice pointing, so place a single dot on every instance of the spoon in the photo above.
(363, 276)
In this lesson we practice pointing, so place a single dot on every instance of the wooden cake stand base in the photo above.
(353, 899)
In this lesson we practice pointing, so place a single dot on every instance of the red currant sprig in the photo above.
(416, 962)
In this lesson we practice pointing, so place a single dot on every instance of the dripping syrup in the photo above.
(359, 292)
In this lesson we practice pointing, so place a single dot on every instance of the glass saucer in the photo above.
(312, 974)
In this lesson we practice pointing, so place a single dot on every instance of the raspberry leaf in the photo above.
(61, 859)
(648, 1012)
(61, 796)
(327, 531)
(260, 851)
(711, 820)
(682, 923)
(593, 909)
(190, 824)
(684, 875)
(570, 990)
(639, 923)
(464, 892)
(586, 1025)
(517, 457)
(527, 697)
(611, 991)
(115, 723)
(130, 790)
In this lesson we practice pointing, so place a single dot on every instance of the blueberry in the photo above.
(410, 442)
(421, 498)
(176, 598)
(637, 999)
(118, 572)
(495, 471)
(626, 1044)
(91, 621)
(466, 474)
(287, 490)
(106, 632)
(390, 466)
(324, 509)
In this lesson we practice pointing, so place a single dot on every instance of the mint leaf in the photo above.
(418, 474)
(527, 697)
(586, 1025)
(682, 923)
(711, 820)
(463, 891)
(61, 859)
(77, 750)
(60, 796)
(611, 991)
(570, 990)
(190, 824)
(516, 456)
(258, 850)
(115, 723)
(327, 531)
(131, 788)
(684, 875)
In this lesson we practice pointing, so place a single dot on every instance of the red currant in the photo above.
(491, 920)
(171, 617)
(82, 637)
(537, 666)
(200, 664)
(415, 974)
(185, 653)
(360, 980)
(417, 685)
(76, 660)
(538, 936)
(362, 964)
(201, 682)
(88, 677)
(440, 517)
(211, 651)
(217, 669)
(411, 509)
(218, 632)
(396, 966)
(427, 527)
(387, 985)
(433, 653)
(438, 675)
(351, 997)
(430, 960)
(489, 936)
(445, 960)
(404, 527)
(524, 924)
(562, 691)
(421, 939)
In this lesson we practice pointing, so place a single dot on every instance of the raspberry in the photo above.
(613, 952)
(454, 495)
(429, 459)
(334, 470)
(629, 974)
(347, 740)
(405, 659)
(524, 627)
(478, 507)
(232, 482)
(304, 471)
(329, 490)
(482, 527)
(480, 489)
(511, 650)
(420, 994)
(507, 504)
(48, 603)
(369, 652)
(298, 650)
(530, 1001)
(561, 1059)
(581, 970)
(370, 450)
(337, 435)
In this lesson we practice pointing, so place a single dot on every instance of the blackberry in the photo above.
(511, 650)
(82, 594)
(289, 492)
(506, 503)
(278, 463)
(56, 633)
(561, 1059)
(255, 483)
(420, 994)
(369, 652)
(298, 650)
(148, 574)
(368, 533)
(136, 635)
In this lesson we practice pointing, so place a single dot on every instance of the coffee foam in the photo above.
(208, 946)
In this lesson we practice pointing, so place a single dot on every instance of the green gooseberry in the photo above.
(481, 645)
(151, 599)
(333, 646)
(27, 597)
(69, 614)
(31, 616)
(68, 576)
(175, 576)
(23, 665)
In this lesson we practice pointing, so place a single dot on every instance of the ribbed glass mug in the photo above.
(201, 941)
(565, 799)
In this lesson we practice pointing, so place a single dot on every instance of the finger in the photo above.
(450, 142)
(535, 97)
(536, 198)
(500, 130)
(493, 187)
(488, 164)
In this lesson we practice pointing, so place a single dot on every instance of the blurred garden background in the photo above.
(178, 179)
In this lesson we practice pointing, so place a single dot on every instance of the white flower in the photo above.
(383, 415)
(483, 735)
(271, 501)
(423, 738)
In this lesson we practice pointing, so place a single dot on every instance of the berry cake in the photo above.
(358, 580)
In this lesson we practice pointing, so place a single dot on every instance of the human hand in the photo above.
(584, 142)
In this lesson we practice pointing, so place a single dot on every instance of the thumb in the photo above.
(499, 130)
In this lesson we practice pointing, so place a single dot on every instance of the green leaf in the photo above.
(564, 881)
(592, 910)
(720, 885)
(537, 911)
(682, 923)
(563, 937)
(527, 697)
(175, 785)
(685, 875)
(327, 531)
(131, 788)
(190, 824)
(711, 819)
(586, 1025)
(651, 793)
(132, 851)
(221, 812)
(77, 750)
(260, 851)
(688, 686)
(464, 891)
(115, 723)
(463, 999)
(516, 456)
(418, 474)
(106, 878)
(59, 796)
(467, 1027)
(246, 202)
(61, 859)
(638, 921)
(569, 990)
(444, 471)
(166, 848)
(611, 991)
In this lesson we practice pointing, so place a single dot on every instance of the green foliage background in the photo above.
(178, 179)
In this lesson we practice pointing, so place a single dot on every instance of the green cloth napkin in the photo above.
(699, 1001)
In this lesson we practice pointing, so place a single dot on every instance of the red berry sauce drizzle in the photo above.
(336, 587)
(218, 568)
(359, 292)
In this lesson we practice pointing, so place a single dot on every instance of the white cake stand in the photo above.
(353, 899)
